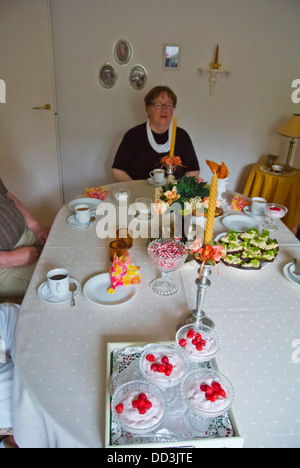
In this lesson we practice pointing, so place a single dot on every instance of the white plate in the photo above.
(44, 294)
(288, 271)
(72, 221)
(92, 202)
(95, 291)
(157, 184)
(248, 211)
(240, 223)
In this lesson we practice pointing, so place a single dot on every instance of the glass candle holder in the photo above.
(125, 236)
(117, 247)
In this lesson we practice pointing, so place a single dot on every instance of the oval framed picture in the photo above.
(108, 75)
(123, 51)
(138, 77)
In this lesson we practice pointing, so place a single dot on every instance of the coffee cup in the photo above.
(82, 214)
(157, 175)
(257, 206)
(58, 282)
(277, 168)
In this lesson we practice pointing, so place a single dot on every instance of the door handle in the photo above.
(46, 107)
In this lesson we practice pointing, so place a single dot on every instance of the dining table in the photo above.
(60, 381)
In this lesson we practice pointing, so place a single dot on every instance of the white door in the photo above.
(29, 156)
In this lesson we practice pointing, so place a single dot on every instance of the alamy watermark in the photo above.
(2, 92)
(2, 352)
(296, 353)
(144, 222)
(296, 94)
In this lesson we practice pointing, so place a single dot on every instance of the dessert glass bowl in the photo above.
(202, 419)
(201, 356)
(135, 388)
(175, 358)
(274, 211)
(166, 286)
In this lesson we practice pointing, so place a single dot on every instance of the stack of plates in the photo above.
(289, 273)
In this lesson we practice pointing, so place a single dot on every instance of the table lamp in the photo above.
(290, 129)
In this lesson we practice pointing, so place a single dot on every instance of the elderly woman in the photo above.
(143, 146)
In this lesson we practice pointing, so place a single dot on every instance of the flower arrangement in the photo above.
(187, 192)
(174, 161)
(209, 254)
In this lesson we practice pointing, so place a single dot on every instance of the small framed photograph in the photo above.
(122, 51)
(271, 159)
(108, 75)
(138, 77)
(171, 56)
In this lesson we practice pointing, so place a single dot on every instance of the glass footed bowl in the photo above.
(130, 419)
(188, 347)
(167, 255)
(121, 196)
(274, 211)
(172, 370)
(196, 399)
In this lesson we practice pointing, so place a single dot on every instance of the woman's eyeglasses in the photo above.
(159, 106)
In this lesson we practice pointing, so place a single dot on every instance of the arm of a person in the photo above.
(39, 232)
(22, 256)
(192, 174)
(120, 176)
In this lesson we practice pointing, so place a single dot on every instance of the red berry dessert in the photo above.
(200, 343)
(162, 365)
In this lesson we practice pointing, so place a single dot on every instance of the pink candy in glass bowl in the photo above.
(167, 255)
(274, 211)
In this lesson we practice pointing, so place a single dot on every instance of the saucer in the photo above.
(288, 271)
(248, 211)
(92, 202)
(72, 221)
(45, 296)
(157, 184)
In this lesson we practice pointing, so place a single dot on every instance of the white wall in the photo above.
(259, 40)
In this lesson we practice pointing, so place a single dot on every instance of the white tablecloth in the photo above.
(61, 350)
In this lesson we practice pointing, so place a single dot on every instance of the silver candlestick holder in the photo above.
(198, 316)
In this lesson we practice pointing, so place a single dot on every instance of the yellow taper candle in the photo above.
(211, 210)
(174, 128)
(217, 55)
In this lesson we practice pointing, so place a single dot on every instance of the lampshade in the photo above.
(292, 127)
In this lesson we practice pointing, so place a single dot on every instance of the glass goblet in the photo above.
(163, 366)
(167, 255)
(203, 408)
(129, 416)
(274, 211)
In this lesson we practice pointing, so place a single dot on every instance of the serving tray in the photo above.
(122, 366)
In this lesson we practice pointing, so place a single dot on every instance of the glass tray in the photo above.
(123, 366)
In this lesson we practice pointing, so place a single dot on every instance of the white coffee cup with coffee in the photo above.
(82, 214)
(257, 206)
(58, 282)
(157, 175)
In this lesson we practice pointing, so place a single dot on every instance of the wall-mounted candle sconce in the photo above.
(214, 70)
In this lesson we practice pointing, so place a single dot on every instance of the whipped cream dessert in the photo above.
(199, 345)
(208, 395)
(163, 366)
(133, 413)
